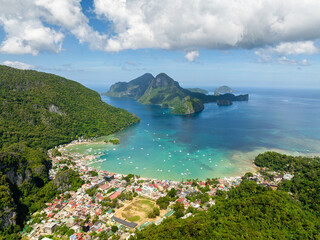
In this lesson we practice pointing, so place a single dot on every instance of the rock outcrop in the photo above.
(164, 91)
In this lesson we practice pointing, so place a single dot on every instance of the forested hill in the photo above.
(44, 110)
(252, 211)
(39, 111)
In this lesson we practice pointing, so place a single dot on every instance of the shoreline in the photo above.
(91, 159)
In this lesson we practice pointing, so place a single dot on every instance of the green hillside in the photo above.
(39, 111)
(44, 110)
(166, 92)
(251, 211)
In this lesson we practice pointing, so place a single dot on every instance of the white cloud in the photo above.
(304, 62)
(210, 24)
(287, 27)
(192, 56)
(25, 32)
(282, 50)
(289, 61)
(17, 64)
(34, 26)
(295, 48)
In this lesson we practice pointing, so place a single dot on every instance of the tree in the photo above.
(114, 228)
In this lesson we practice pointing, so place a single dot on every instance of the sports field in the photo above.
(137, 211)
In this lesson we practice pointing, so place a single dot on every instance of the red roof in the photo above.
(181, 199)
(104, 187)
(138, 189)
(114, 195)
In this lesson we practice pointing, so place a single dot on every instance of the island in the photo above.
(198, 90)
(223, 89)
(224, 102)
(164, 91)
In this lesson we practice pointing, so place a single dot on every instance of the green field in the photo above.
(137, 211)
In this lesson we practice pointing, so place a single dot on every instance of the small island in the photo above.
(164, 91)
(114, 141)
(224, 102)
(223, 89)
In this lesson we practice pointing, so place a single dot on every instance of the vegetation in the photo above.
(163, 90)
(38, 112)
(251, 211)
(305, 185)
(197, 90)
(114, 141)
(46, 110)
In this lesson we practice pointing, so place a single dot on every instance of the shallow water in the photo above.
(218, 142)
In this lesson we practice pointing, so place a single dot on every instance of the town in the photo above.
(114, 206)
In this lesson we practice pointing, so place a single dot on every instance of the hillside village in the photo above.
(114, 206)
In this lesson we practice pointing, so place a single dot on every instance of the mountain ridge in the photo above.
(164, 91)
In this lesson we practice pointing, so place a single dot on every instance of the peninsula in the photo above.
(163, 90)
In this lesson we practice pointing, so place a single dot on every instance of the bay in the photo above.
(218, 142)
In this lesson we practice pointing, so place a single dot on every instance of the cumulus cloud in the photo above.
(17, 64)
(210, 24)
(296, 48)
(283, 50)
(34, 26)
(191, 56)
(287, 27)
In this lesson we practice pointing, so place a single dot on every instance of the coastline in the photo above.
(92, 159)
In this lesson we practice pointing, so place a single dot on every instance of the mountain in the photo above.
(197, 90)
(134, 89)
(163, 90)
(224, 102)
(39, 111)
(223, 89)
(166, 92)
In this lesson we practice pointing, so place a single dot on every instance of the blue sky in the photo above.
(198, 43)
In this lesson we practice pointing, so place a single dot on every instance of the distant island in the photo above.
(198, 90)
(223, 89)
(164, 91)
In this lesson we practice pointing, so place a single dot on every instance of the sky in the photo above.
(261, 43)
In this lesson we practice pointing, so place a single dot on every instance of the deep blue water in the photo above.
(219, 141)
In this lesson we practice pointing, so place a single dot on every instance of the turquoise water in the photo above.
(218, 142)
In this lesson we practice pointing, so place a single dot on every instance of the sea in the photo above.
(221, 141)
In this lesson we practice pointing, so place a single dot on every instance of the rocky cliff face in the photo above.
(224, 102)
(20, 167)
(166, 92)
(133, 89)
(163, 90)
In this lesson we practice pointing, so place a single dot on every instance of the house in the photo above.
(76, 228)
(114, 195)
(287, 176)
(49, 228)
(277, 178)
(125, 223)
(104, 187)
